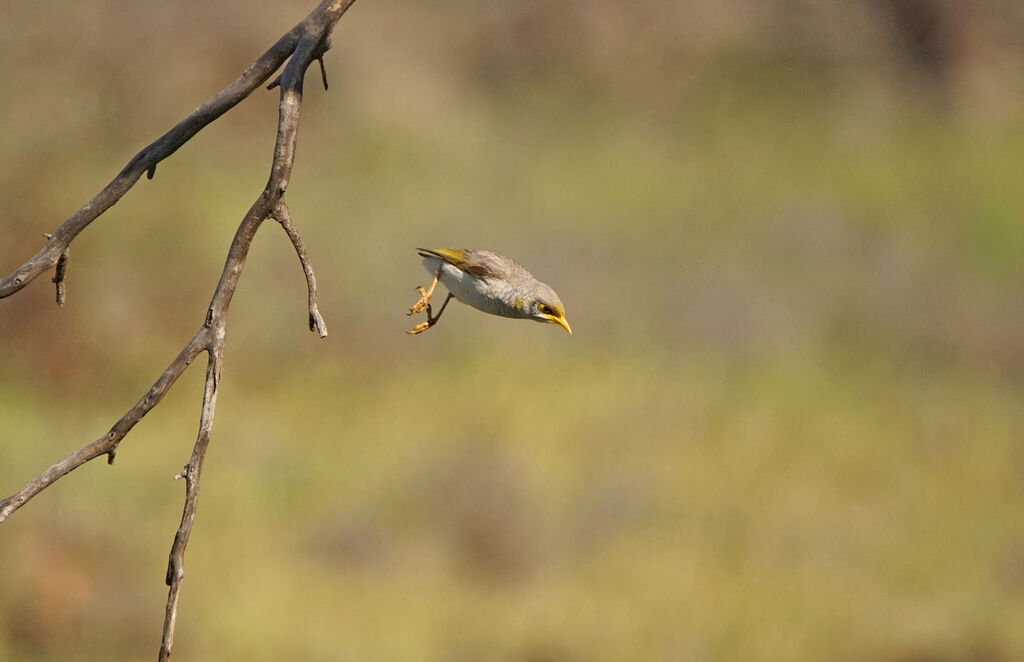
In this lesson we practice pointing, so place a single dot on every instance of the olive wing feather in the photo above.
(483, 264)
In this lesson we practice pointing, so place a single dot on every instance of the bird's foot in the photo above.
(423, 326)
(431, 318)
(422, 303)
(419, 328)
(425, 295)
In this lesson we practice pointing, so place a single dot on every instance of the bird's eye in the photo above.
(544, 308)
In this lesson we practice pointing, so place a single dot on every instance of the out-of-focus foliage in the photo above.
(788, 425)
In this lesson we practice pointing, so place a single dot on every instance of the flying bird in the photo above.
(489, 282)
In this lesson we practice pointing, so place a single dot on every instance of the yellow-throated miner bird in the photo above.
(489, 282)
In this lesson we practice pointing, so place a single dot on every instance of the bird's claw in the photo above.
(419, 328)
(422, 303)
(431, 318)
(423, 326)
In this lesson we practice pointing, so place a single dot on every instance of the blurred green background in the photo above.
(789, 423)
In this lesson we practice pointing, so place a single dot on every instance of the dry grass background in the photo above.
(788, 425)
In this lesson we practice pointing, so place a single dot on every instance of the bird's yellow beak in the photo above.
(560, 321)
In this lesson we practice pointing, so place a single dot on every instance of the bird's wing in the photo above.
(479, 263)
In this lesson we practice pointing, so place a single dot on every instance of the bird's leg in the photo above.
(425, 295)
(431, 320)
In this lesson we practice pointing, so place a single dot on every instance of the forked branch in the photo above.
(306, 42)
(318, 24)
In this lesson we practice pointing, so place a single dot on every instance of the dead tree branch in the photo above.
(316, 321)
(320, 21)
(306, 42)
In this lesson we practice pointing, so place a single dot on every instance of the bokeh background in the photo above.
(788, 425)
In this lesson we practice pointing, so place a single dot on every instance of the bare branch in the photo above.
(268, 202)
(318, 23)
(306, 42)
(316, 321)
(323, 71)
(191, 474)
(107, 444)
(305, 38)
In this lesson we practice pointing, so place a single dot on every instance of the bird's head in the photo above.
(545, 306)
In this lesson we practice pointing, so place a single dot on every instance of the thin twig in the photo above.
(191, 473)
(323, 71)
(316, 321)
(107, 444)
